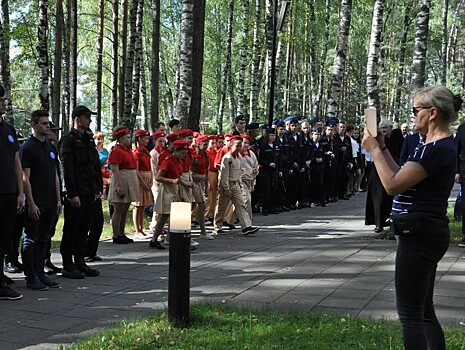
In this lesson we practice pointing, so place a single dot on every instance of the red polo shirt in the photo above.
(172, 166)
(122, 156)
(143, 156)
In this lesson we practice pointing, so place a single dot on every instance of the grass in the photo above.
(226, 327)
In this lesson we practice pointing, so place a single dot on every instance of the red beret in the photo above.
(172, 137)
(121, 133)
(185, 133)
(141, 132)
(180, 144)
(247, 137)
(195, 134)
(236, 138)
(158, 134)
(212, 137)
(228, 135)
(201, 138)
(220, 137)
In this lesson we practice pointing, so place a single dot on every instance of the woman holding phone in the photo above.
(419, 220)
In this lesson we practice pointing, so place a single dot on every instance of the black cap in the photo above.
(270, 131)
(253, 126)
(82, 110)
(239, 118)
(264, 126)
(53, 126)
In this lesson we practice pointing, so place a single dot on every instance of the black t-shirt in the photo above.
(8, 148)
(430, 196)
(41, 158)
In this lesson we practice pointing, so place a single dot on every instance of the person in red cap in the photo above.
(168, 177)
(199, 167)
(212, 180)
(168, 150)
(144, 175)
(249, 165)
(230, 189)
(124, 185)
(160, 142)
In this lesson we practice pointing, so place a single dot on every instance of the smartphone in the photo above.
(370, 121)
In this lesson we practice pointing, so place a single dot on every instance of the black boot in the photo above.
(83, 267)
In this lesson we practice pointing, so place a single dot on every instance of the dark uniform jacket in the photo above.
(344, 157)
(80, 164)
(296, 149)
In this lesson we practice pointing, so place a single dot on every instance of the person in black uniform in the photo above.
(43, 200)
(317, 170)
(11, 192)
(239, 125)
(253, 130)
(307, 157)
(285, 160)
(344, 162)
(297, 168)
(331, 150)
(82, 181)
(268, 159)
(460, 173)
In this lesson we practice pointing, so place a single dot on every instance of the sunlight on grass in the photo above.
(227, 327)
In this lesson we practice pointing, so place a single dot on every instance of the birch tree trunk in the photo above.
(227, 88)
(256, 57)
(144, 106)
(114, 64)
(445, 12)
(313, 71)
(123, 59)
(241, 97)
(100, 62)
(129, 67)
(373, 55)
(138, 66)
(73, 39)
(420, 46)
(42, 50)
(340, 58)
(193, 121)
(185, 62)
(58, 57)
(66, 105)
(324, 52)
(5, 56)
(155, 64)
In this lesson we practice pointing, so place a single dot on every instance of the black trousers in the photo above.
(268, 188)
(7, 220)
(75, 229)
(36, 237)
(318, 187)
(417, 259)
(295, 186)
(343, 179)
(12, 252)
(96, 229)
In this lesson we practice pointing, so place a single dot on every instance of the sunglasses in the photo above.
(415, 110)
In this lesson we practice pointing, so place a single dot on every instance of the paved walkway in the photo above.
(318, 260)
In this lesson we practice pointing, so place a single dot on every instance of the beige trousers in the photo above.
(212, 194)
(237, 200)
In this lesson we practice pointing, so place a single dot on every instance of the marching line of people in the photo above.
(228, 178)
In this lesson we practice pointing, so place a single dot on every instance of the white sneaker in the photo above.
(194, 243)
(207, 236)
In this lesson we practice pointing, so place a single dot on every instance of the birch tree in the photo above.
(244, 49)
(256, 58)
(42, 49)
(138, 65)
(73, 41)
(58, 56)
(420, 46)
(114, 63)
(373, 55)
(339, 58)
(101, 28)
(155, 64)
(445, 12)
(5, 55)
(185, 62)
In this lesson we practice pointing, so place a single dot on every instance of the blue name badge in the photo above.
(11, 138)
(52, 155)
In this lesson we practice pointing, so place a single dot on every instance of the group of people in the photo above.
(289, 165)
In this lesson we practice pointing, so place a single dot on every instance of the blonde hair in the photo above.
(446, 103)
(98, 134)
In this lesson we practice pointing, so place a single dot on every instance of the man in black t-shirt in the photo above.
(11, 192)
(43, 202)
